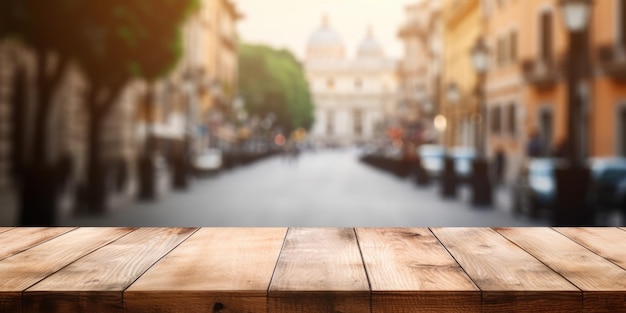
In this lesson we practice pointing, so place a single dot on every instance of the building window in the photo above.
(621, 23)
(547, 36)
(496, 120)
(622, 131)
(500, 52)
(330, 123)
(512, 119)
(330, 84)
(358, 122)
(546, 128)
(513, 47)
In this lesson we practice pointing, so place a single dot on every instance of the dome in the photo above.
(369, 47)
(325, 43)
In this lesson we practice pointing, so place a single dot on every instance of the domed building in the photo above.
(354, 98)
(325, 43)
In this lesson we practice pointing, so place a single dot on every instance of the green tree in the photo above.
(273, 80)
(112, 41)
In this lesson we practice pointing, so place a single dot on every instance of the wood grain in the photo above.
(5, 229)
(320, 270)
(21, 239)
(602, 282)
(608, 242)
(98, 280)
(20, 271)
(511, 280)
(410, 271)
(214, 270)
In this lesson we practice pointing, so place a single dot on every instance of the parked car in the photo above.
(535, 187)
(463, 161)
(621, 194)
(609, 183)
(209, 161)
(432, 157)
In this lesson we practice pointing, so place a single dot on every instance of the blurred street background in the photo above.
(313, 113)
(323, 188)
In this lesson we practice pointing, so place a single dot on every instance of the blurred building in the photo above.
(509, 36)
(420, 68)
(354, 98)
(66, 129)
(205, 79)
(207, 76)
(527, 82)
(462, 26)
(607, 106)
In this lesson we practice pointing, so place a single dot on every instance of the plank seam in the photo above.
(367, 276)
(582, 245)
(546, 265)
(7, 230)
(155, 262)
(70, 263)
(536, 258)
(39, 243)
(461, 266)
(269, 286)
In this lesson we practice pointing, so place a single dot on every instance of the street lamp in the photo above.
(482, 194)
(576, 14)
(574, 179)
(449, 180)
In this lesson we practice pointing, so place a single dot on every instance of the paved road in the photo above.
(327, 188)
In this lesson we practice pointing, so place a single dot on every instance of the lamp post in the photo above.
(574, 178)
(449, 180)
(482, 193)
(182, 156)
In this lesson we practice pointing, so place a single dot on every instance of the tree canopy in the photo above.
(273, 81)
(111, 41)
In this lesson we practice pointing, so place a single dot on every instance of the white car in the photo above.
(210, 160)
(432, 157)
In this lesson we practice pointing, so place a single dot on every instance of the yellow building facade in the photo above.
(462, 27)
(527, 81)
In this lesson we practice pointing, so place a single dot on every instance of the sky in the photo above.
(290, 23)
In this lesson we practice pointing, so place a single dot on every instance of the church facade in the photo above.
(355, 98)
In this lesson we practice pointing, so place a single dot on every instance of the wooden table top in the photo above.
(312, 269)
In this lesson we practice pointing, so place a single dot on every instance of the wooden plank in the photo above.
(608, 242)
(602, 282)
(21, 239)
(214, 270)
(5, 229)
(96, 282)
(23, 270)
(410, 271)
(510, 279)
(320, 270)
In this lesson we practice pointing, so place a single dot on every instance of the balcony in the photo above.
(612, 60)
(541, 72)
